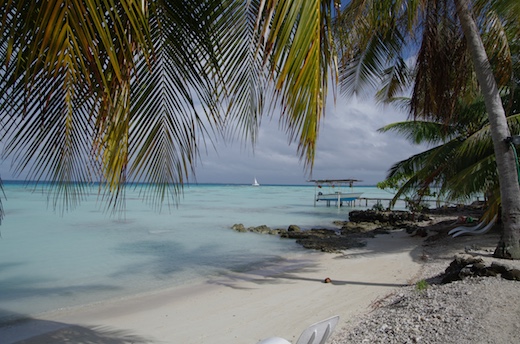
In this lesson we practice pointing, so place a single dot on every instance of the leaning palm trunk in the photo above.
(509, 245)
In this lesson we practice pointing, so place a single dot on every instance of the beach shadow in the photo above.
(267, 274)
(387, 243)
(441, 246)
(284, 272)
(342, 283)
(168, 258)
(36, 331)
(234, 281)
(23, 287)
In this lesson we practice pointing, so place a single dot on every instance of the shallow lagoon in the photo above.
(50, 261)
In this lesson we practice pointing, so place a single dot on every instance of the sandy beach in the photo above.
(240, 307)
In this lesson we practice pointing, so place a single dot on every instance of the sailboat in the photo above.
(255, 183)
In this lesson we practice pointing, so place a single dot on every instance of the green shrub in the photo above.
(421, 285)
(378, 206)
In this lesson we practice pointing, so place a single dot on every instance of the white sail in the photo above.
(255, 183)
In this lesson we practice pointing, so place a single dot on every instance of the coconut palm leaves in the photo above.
(63, 63)
(174, 98)
(374, 37)
(124, 91)
(419, 46)
(443, 36)
(461, 150)
(460, 166)
(296, 37)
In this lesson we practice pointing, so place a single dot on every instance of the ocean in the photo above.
(50, 261)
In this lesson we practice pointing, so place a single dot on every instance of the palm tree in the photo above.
(380, 35)
(509, 245)
(123, 91)
(460, 165)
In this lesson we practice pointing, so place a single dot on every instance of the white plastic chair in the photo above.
(475, 230)
(317, 333)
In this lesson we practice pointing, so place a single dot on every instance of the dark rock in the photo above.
(499, 268)
(313, 233)
(487, 272)
(239, 228)
(416, 231)
(465, 272)
(479, 266)
(323, 239)
(513, 275)
(293, 228)
(363, 224)
(467, 266)
(263, 229)
(380, 230)
(330, 244)
(357, 227)
(392, 217)
(457, 269)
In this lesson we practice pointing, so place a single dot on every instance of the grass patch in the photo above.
(421, 285)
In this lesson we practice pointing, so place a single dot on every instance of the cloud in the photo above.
(349, 146)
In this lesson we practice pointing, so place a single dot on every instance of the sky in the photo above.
(349, 146)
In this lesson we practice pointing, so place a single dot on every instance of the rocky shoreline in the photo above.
(463, 294)
(365, 224)
(362, 224)
(477, 310)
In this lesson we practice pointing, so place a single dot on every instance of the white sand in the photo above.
(240, 308)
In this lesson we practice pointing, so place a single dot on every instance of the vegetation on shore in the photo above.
(461, 71)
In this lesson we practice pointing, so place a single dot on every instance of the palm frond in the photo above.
(166, 132)
(67, 75)
(442, 65)
(474, 177)
(49, 95)
(299, 49)
(419, 132)
(244, 78)
(395, 81)
(375, 39)
(496, 41)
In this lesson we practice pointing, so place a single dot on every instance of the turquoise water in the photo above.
(50, 261)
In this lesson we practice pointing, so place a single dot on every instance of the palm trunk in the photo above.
(509, 245)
